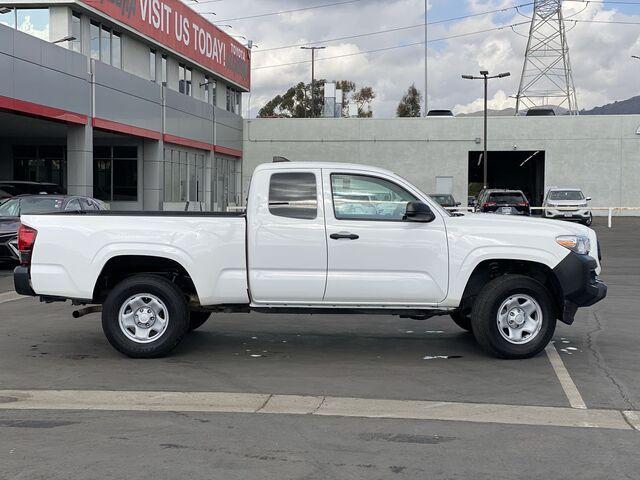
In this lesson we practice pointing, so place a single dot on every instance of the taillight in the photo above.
(523, 204)
(489, 204)
(26, 240)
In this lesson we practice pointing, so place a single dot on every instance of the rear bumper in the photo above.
(581, 286)
(22, 281)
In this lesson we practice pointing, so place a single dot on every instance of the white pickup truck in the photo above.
(316, 237)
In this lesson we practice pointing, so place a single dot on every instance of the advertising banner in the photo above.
(175, 25)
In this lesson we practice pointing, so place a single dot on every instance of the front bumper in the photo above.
(22, 281)
(581, 286)
(578, 215)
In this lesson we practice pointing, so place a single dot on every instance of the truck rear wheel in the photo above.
(197, 319)
(513, 317)
(145, 316)
(461, 320)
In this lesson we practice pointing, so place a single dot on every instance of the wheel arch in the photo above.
(120, 267)
(489, 269)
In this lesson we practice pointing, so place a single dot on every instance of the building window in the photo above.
(76, 45)
(116, 50)
(205, 85)
(34, 21)
(152, 65)
(233, 101)
(115, 174)
(183, 176)
(95, 40)
(8, 17)
(185, 79)
(226, 184)
(106, 45)
(40, 164)
(164, 70)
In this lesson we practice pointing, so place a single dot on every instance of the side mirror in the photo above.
(418, 212)
(588, 199)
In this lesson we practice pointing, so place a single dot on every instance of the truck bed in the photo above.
(73, 249)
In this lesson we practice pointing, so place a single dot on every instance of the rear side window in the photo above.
(293, 195)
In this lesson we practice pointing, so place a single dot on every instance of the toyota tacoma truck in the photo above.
(315, 238)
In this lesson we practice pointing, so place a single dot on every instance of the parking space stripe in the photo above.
(567, 383)
(258, 403)
(10, 297)
(633, 418)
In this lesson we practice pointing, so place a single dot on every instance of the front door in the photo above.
(374, 257)
(287, 247)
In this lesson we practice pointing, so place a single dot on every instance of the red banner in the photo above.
(176, 26)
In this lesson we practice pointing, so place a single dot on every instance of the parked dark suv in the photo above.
(502, 201)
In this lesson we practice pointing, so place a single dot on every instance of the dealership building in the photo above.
(599, 154)
(134, 102)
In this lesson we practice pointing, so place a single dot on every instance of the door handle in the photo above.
(344, 235)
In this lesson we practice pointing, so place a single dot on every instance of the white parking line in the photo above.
(259, 403)
(10, 297)
(569, 387)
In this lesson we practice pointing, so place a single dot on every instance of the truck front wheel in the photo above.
(513, 317)
(145, 316)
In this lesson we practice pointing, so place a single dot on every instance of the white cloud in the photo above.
(600, 52)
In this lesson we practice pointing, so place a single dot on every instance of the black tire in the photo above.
(485, 311)
(588, 221)
(461, 320)
(168, 293)
(197, 319)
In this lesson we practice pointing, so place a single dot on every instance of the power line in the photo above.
(393, 47)
(282, 12)
(397, 29)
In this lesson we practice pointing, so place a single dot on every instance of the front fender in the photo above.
(462, 268)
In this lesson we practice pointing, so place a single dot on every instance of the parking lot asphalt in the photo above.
(43, 348)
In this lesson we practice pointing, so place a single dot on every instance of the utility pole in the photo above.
(313, 77)
(485, 77)
(426, 55)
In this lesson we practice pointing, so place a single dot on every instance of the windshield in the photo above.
(14, 207)
(566, 195)
(507, 197)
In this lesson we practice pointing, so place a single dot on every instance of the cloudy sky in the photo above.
(600, 51)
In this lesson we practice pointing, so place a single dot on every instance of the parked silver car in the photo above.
(567, 204)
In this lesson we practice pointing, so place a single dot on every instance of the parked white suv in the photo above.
(567, 204)
(316, 238)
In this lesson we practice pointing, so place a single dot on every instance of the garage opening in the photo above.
(518, 170)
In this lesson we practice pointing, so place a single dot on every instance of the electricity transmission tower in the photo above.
(546, 74)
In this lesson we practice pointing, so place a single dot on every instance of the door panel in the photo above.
(287, 246)
(391, 262)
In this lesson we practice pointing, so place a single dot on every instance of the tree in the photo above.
(409, 106)
(363, 99)
(296, 101)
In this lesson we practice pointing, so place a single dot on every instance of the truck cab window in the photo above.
(293, 195)
(359, 197)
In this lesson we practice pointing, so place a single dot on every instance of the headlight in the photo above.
(576, 243)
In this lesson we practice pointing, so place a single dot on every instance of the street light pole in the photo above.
(313, 77)
(485, 77)
(426, 56)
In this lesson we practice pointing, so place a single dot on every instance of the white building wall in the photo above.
(600, 154)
